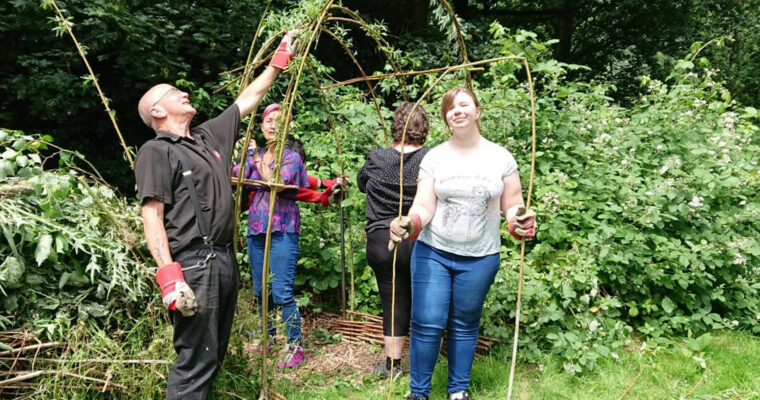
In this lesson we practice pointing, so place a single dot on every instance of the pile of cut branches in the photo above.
(69, 245)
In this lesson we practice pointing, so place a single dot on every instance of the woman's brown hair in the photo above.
(447, 102)
(417, 130)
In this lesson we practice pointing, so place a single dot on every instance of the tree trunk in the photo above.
(565, 33)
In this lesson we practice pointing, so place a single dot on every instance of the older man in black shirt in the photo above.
(198, 272)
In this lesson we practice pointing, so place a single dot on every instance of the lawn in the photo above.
(731, 371)
(724, 365)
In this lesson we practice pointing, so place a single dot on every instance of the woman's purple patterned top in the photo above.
(285, 218)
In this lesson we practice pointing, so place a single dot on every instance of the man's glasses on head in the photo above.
(171, 90)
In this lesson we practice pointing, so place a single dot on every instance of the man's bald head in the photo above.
(149, 99)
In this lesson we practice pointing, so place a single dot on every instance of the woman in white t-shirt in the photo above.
(463, 187)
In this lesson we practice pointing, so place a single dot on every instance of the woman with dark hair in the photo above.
(463, 185)
(379, 178)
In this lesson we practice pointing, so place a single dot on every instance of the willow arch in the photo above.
(312, 29)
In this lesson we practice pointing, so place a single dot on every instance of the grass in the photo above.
(731, 371)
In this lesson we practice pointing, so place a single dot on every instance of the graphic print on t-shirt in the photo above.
(464, 207)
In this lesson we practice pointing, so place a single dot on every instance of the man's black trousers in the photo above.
(201, 340)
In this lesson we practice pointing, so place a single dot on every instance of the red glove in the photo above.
(324, 197)
(336, 190)
(313, 182)
(175, 292)
(522, 222)
(404, 228)
(288, 47)
(328, 183)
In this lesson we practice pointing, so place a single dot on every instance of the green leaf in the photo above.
(6, 169)
(22, 160)
(11, 303)
(633, 311)
(42, 252)
(94, 309)
(18, 144)
(668, 305)
(11, 271)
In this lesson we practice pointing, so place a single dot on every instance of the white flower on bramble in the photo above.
(739, 259)
(696, 202)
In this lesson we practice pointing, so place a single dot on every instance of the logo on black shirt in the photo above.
(216, 154)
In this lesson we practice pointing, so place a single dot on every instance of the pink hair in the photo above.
(270, 109)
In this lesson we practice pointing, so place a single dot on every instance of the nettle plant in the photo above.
(647, 214)
(70, 246)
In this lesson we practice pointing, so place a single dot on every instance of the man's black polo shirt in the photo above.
(209, 151)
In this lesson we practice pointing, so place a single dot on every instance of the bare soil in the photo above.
(347, 357)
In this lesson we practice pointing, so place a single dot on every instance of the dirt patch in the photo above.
(328, 353)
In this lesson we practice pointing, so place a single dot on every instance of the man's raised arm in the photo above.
(252, 95)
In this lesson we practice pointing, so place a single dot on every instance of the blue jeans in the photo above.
(448, 292)
(282, 269)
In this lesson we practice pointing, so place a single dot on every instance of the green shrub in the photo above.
(71, 247)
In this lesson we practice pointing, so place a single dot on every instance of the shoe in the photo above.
(413, 396)
(463, 395)
(293, 357)
(381, 370)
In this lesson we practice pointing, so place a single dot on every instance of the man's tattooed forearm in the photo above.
(158, 247)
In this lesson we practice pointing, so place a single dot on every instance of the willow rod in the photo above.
(374, 35)
(95, 81)
(522, 242)
(339, 149)
(400, 214)
(249, 128)
(369, 85)
(421, 72)
(248, 67)
(460, 41)
(290, 97)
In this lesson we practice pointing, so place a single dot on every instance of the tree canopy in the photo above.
(133, 45)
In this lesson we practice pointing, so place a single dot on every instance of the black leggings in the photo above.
(381, 261)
